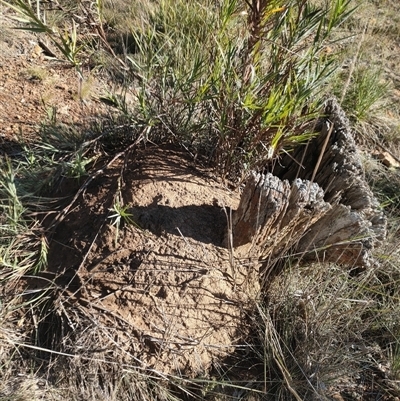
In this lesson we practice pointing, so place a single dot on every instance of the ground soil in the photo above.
(165, 280)
(35, 88)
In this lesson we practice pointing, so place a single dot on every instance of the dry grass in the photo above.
(373, 45)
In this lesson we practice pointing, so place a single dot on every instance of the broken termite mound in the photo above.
(316, 205)
(173, 293)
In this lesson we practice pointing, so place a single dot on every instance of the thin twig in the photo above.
(321, 154)
(353, 64)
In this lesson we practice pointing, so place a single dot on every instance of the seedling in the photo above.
(121, 216)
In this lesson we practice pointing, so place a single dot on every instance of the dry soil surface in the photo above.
(35, 88)
(164, 285)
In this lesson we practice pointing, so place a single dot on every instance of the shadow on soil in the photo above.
(187, 221)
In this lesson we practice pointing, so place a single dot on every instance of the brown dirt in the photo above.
(176, 303)
(33, 86)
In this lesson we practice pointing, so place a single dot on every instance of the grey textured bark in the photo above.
(310, 208)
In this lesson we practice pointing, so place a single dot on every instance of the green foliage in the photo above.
(237, 80)
(65, 39)
(77, 165)
(366, 91)
(11, 205)
(23, 248)
(120, 215)
(60, 153)
(240, 80)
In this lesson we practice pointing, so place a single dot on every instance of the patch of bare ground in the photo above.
(35, 87)
(167, 291)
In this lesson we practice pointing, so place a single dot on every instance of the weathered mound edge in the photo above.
(324, 210)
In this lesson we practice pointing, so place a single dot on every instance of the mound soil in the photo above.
(161, 291)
